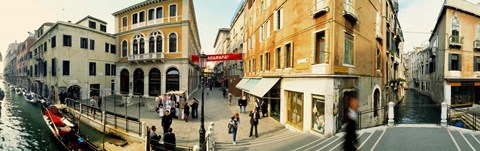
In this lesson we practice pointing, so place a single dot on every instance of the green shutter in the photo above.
(474, 63)
(449, 61)
(459, 62)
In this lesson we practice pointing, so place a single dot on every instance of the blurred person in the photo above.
(351, 119)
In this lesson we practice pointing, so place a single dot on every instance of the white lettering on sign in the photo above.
(218, 57)
(304, 60)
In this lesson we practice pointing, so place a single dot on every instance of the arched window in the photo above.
(172, 42)
(124, 48)
(142, 46)
(160, 43)
(151, 45)
(455, 27)
(135, 47)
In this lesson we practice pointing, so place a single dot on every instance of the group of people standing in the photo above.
(175, 106)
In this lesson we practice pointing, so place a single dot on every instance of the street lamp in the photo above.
(203, 64)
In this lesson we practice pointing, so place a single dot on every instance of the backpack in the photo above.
(230, 127)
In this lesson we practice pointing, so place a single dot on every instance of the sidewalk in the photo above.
(217, 110)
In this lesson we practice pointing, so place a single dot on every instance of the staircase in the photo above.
(465, 140)
(277, 136)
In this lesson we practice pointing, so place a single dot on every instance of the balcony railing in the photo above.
(147, 57)
(349, 11)
(476, 44)
(319, 8)
(456, 41)
(38, 56)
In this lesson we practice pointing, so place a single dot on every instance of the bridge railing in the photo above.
(372, 118)
(463, 118)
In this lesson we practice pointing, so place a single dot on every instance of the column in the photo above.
(130, 85)
(163, 83)
(117, 84)
(145, 86)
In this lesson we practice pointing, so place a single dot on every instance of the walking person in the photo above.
(182, 105)
(166, 121)
(230, 95)
(254, 116)
(195, 108)
(233, 127)
(264, 106)
(240, 104)
(93, 104)
(351, 119)
(186, 111)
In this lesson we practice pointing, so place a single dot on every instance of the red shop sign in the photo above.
(220, 57)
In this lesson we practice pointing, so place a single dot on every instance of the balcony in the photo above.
(38, 56)
(476, 45)
(349, 11)
(153, 57)
(456, 41)
(320, 8)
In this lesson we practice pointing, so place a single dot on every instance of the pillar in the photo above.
(443, 116)
(391, 115)
(145, 86)
(163, 83)
(130, 85)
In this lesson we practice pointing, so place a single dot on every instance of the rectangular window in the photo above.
(349, 52)
(44, 66)
(151, 14)
(477, 63)
(142, 16)
(92, 68)
(84, 43)
(92, 44)
(267, 61)
(159, 12)
(320, 52)
(318, 113)
(54, 67)
(113, 49)
(261, 33)
(66, 67)
(267, 28)
(173, 10)
(45, 46)
(125, 22)
(455, 62)
(278, 19)
(134, 18)
(53, 42)
(107, 47)
(92, 24)
(103, 28)
(261, 63)
(379, 60)
(114, 70)
(107, 69)
(279, 57)
(67, 40)
(289, 56)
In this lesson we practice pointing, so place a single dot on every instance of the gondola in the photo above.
(18, 91)
(29, 97)
(64, 131)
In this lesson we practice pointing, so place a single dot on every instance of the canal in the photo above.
(23, 128)
(417, 109)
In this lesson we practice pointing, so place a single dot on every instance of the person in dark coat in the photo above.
(351, 119)
(170, 140)
(186, 111)
(242, 103)
(166, 121)
(264, 106)
(254, 116)
(154, 138)
(195, 108)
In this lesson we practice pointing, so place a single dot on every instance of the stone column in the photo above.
(443, 116)
(163, 83)
(130, 85)
(145, 86)
(391, 115)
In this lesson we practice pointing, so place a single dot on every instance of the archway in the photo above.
(154, 78)
(74, 91)
(173, 80)
(138, 82)
(124, 81)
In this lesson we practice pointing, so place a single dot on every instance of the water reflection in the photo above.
(417, 109)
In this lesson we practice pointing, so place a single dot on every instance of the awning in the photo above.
(250, 85)
(263, 86)
(242, 83)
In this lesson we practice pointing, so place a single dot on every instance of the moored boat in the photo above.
(29, 97)
(18, 91)
(2, 94)
(64, 131)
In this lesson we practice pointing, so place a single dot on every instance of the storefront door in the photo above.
(318, 113)
(295, 109)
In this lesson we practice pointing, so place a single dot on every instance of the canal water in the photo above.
(22, 126)
(417, 109)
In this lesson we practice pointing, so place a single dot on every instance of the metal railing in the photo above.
(372, 118)
(418, 114)
(146, 56)
(463, 118)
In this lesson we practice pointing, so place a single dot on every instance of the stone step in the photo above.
(281, 135)
(474, 142)
(314, 147)
(368, 144)
(361, 138)
(462, 143)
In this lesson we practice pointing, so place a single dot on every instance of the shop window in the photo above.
(318, 113)
(295, 109)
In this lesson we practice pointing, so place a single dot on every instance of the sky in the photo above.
(418, 18)
(21, 16)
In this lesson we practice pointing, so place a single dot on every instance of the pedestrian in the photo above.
(99, 102)
(254, 116)
(154, 138)
(256, 104)
(93, 104)
(351, 119)
(182, 105)
(186, 111)
(242, 103)
(224, 92)
(211, 86)
(170, 140)
(166, 121)
(230, 95)
(195, 108)
(233, 127)
(264, 106)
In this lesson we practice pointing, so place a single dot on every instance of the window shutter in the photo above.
(449, 61)
(459, 62)
(474, 63)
